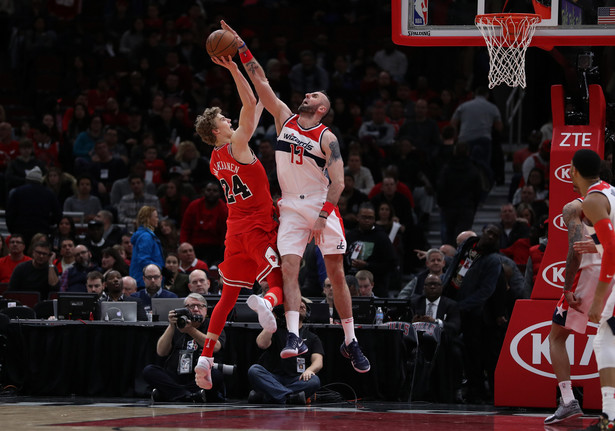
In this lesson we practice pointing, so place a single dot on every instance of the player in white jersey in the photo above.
(311, 175)
(599, 209)
(582, 271)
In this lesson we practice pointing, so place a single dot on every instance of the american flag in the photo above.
(606, 15)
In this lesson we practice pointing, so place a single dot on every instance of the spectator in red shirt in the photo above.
(204, 224)
(155, 168)
(17, 246)
(188, 261)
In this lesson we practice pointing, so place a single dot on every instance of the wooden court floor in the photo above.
(50, 414)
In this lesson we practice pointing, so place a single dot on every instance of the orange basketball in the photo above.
(221, 43)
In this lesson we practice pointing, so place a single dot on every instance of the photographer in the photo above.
(291, 380)
(181, 344)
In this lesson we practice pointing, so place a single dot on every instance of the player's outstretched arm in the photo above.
(272, 103)
(247, 118)
(596, 208)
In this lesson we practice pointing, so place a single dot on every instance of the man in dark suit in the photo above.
(434, 308)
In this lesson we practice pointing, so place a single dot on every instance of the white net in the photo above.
(507, 37)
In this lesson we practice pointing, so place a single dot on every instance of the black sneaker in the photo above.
(354, 353)
(294, 347)
(602, 424)
(156, 396)
(198, 397)
(255, 397)
(296, 399)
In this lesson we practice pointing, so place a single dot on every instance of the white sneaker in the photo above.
(265, 315)
(203, 372)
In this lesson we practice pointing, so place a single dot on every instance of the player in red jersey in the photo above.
(250, 245)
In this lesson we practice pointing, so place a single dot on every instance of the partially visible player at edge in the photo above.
(599, 209)
(582, 271)
(311, 175)
(250, 245)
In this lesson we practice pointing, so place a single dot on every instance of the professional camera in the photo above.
(227, 370)
(184, 316)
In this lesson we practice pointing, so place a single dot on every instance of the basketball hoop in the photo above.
(507, 36)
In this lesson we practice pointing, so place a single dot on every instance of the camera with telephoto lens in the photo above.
(184, 316)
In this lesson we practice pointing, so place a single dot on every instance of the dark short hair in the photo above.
(42, 244)
(92, 275)
(587, 162)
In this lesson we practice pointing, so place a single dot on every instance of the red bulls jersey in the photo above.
(246, 189)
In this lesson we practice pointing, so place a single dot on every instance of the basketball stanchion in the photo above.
(507, 36)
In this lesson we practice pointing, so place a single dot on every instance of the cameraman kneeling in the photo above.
(182, 343)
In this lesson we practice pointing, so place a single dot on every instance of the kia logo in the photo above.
(531, 345)
(562, 173)
(554, 274)
(558, 222)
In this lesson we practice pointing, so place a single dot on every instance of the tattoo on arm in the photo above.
(573, 260)
(251, 67)
(334, 146)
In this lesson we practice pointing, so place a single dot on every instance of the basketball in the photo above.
(221, 43)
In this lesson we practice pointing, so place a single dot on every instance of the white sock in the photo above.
(608, 401)
(565, 388)
(292, 322)
(348, 326)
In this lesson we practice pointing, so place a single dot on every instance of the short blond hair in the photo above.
(205, 124)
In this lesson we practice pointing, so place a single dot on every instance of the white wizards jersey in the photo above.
(609, 191)
(589, 259)
(301, 163)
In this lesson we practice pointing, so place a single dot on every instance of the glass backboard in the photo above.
(451, 23)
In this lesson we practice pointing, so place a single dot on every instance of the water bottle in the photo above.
(379, 316)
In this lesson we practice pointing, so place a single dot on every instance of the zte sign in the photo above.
(554, 274)
(562, 173)
(530, 350)
(575, 139)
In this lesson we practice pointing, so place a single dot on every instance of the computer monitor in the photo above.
(394, 309)
(319, 312)
(244, 314)
(363, 311)
(212, 300)
(77, 305)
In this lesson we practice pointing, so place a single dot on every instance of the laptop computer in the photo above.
(162, 306)
(121, 311)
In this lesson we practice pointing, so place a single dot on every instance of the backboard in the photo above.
(451, 23)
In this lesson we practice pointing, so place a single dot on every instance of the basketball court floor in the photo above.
(51, 414)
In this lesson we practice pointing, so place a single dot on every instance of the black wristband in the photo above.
(322, 216)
